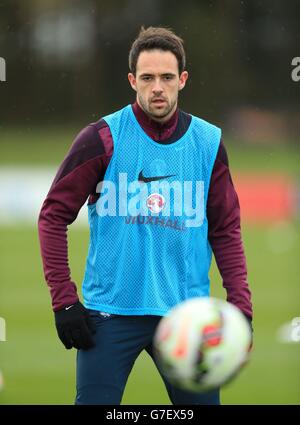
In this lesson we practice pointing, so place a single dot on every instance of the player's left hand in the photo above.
(75, 327)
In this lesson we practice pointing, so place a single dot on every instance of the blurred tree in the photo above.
(67, 60)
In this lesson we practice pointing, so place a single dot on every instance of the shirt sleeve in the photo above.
(224, 233)
(75, 181)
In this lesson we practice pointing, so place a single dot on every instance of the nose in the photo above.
(157, 88)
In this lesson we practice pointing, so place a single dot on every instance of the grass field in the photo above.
(38, 370)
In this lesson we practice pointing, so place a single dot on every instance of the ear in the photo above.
(182, 79)
(132, 80)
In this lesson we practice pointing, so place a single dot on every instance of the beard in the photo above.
(157, 112)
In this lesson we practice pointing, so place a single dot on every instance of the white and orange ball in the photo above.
(202, 343)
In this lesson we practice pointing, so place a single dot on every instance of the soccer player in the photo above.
(160, 201)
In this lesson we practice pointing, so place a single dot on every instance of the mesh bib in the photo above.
(149, 246)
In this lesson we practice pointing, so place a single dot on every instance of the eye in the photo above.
(168, 77)
(146, 78)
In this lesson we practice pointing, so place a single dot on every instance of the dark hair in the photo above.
(157, 38)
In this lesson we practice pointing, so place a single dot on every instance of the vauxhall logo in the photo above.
(149, 197)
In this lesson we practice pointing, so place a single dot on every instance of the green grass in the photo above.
(264, 159)
(38, 370)
(26, 146)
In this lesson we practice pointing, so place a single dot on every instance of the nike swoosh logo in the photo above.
(68, 308)
(144, 179)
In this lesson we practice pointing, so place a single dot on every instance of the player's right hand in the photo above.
(75, 327)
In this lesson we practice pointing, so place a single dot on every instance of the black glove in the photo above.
(75, 327)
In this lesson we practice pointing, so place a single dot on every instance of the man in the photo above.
(165, 201)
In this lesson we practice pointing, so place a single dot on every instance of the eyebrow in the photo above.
(148, 74)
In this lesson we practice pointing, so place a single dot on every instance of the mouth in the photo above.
(158, 102)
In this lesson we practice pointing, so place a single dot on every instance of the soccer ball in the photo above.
(202, 343)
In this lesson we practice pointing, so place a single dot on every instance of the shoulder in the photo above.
(207, 134)
(207, 125)
(222, 154)
(118, 115)
(91, 138)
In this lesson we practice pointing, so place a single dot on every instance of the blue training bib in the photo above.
(149, 246)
